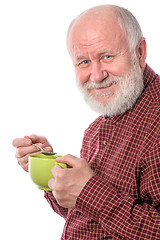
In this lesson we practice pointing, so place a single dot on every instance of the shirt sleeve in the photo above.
(54, 205)
(124, 216)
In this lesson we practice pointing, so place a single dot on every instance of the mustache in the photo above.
(107, 82)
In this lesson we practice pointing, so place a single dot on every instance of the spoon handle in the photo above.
(38, 147)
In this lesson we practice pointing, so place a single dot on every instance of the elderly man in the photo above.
(113, 190)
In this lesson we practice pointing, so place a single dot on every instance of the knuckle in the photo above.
(14, 142)
(19, 152)
(22, 152)
(67, 156)
(16, 156)
(82, 161)
(56, 168)
(19, 161)
(33, 136)
(26, 168)
(51, 183)
(58, 188)
(58, 197)
(59, 175)
(60, 201)
(79, 163)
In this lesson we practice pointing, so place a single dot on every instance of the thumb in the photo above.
(68, 159)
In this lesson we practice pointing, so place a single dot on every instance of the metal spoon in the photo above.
(42, 151)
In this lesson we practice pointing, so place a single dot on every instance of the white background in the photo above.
(38, 95)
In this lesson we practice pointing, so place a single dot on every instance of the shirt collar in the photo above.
(148, 77)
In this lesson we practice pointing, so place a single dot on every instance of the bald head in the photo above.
(99, 13)
(113, 17)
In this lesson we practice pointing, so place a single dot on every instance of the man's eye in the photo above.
(83, 63)
(107, 58)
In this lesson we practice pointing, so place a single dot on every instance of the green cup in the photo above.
(40, 169)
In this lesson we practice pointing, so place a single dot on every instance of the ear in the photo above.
(141, 51)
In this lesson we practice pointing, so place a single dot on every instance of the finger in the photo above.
(55, 170)
(19, 142)
(37, 139)
(47, 149)
(23, 161)
(24, 166)
(42, 140)
(23, 151)
(51, 183)
(69, 160)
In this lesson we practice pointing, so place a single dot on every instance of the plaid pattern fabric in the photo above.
(122, 201)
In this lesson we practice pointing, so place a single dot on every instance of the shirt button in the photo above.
(104, 143)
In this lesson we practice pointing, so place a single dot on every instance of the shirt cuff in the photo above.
(54, 205)
(50, 198)
(94, 197)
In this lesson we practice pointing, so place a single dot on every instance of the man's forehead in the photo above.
(94, 22)
(98, 42)
(94, 30)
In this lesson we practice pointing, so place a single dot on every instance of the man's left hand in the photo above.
(68, 183)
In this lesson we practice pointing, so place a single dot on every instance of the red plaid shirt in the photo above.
(122, 201)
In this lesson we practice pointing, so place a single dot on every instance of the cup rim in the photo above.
(43, 156)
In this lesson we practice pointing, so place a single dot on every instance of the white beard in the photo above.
(125, 98)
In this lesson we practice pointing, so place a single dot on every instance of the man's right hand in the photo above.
(24, 148)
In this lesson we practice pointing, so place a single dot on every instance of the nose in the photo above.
(97, 72)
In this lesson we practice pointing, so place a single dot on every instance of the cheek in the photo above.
(119, 68)
(82, 76)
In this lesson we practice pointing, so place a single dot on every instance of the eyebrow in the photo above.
(105, 51)
(78, 58)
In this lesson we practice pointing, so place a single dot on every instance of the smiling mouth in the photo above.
(102, 91)
(104, 85)
(102, 88)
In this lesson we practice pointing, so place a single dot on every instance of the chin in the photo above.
(104, 100)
